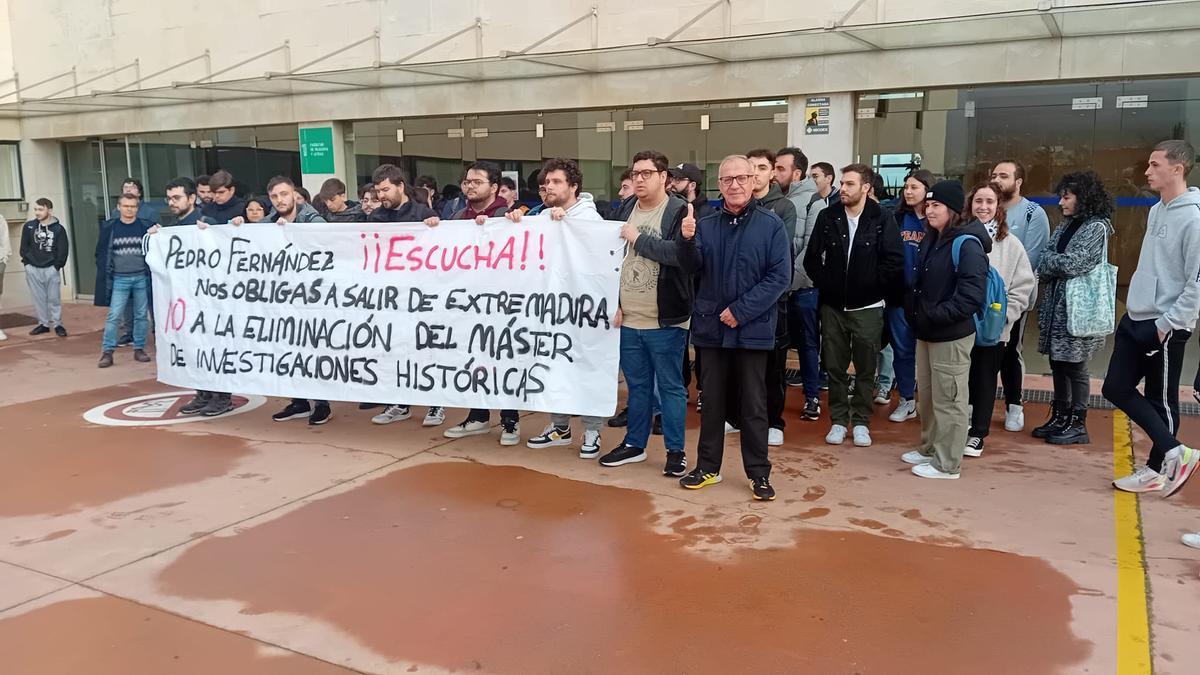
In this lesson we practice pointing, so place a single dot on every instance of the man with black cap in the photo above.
(687, 181)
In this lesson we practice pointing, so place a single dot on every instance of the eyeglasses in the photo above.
(473, 183)
(726, 181)
(644, 174)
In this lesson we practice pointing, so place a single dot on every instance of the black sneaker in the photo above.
(761, 487)
(824, 383)
(812, 409)
(676, 464)
(60, 331)
(199, 402)
(219, 405)
(698, 479)
(656, 428)
(620, 419)
(623, 454)
(41, 330)
(368, 406)
(321, 415)
(794, 378)
(125, 340)
(294, 411)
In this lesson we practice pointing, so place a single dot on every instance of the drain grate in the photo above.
(1095, 401)
(13, 320)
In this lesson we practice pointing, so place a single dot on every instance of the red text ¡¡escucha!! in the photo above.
(394, 253)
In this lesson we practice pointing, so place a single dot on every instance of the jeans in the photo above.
(886, 374)
(651, 357)
(804, 326)
(130, 288)
(904, 353)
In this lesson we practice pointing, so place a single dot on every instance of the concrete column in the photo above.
(44, 175)
(836, 147)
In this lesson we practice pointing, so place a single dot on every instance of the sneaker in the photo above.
(905, 410)
(1014, 419)
(621, 419)
(293, 411)
(761, 489)
(1192, 540)
(794, 378)
(812, 409)
(730, 429)
(553, 436)
(42, 330)
(368, 406)
(591, 445)
(774, 436)
(974, 447)
(1144, 479)
(106, 360)
(915, 457)
(836, 435)
(141, 356)
(321, 415)
(199, 402)
(656, 428)
(392, 413)
(862, 436)
(467, 428)
(217, 406)
(698, 479)
(3, 336)
(883, 398)
(676, 464)
(124, 341)
(1178, 466)
(60, 331)
(510, 432)
(435, 417)
(623, 454)
(928, 471)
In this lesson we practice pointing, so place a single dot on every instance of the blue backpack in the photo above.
(991, 317)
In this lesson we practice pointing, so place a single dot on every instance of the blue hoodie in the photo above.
(912, 232)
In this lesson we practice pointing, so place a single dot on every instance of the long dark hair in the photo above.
(1092, 199)
(922, 176)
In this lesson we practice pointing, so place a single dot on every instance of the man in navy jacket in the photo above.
(745, 266)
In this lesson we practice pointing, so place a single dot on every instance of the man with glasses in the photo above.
(855, 260)
(743, 258)
(655, 311)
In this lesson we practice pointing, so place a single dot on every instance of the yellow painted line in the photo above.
(1133, 620)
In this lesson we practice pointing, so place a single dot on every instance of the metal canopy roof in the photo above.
(1051, 23)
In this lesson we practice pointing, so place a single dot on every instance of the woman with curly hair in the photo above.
(1078, 244)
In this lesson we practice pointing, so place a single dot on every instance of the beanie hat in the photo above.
(948, 192)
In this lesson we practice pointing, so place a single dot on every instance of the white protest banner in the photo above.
(502, 315)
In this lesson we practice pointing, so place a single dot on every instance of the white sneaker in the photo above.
(836, 435)
(467, 429)
(1179, 465)
(3, 337)
(730, 429)
(974, 447)
(862, 436)
(775, 437)
(435, 417)
(510, 434)
(1144, 479)
(914, 457)
(392, 413)
(883, 398)
(928, 471)
(591, 445)
(551, 437)
(1192, 540)
(905, 410)
(1014, 419)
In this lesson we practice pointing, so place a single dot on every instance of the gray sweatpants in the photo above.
(589, 423)
(44, 287)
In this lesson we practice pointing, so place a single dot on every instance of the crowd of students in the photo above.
(933, 294)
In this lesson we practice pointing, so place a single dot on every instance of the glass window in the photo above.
(11, 188)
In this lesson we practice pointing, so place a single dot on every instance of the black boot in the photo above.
(1075, 432)
(1060, 415)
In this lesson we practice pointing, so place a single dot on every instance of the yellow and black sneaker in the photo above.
(761, 487)
(698, 478)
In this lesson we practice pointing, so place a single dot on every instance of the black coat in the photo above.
(944, 300)
(677, 258)
(875, 270)
(223, 213)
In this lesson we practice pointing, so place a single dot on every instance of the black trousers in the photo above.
(219, 395)
(1137, 355)
(746, 370)
(985, 365)
(776, 383)
(1072, 384)
(1012, 367)
(481, 415)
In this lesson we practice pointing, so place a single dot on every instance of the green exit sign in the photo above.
(316, 150)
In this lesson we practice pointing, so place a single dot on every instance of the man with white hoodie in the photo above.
(561, 182)
(1161, 310)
